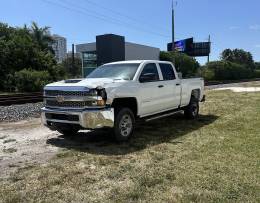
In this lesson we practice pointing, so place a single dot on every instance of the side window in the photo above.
(167, 71)
(149, 73)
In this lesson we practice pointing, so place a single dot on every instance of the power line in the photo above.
(115, 20)
(99, 16)
(125, 16)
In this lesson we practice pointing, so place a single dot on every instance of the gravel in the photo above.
(20, 112)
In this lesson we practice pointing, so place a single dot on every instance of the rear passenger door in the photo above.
(171, 86)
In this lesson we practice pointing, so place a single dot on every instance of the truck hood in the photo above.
(89, 83)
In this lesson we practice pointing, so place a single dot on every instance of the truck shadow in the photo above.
(165, 130)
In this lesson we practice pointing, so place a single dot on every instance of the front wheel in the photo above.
(124, 124)
(192, 110)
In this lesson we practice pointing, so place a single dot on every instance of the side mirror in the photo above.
(147, 77)
(179, 75)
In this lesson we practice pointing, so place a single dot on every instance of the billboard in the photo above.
(181, 45)
(200, 49)
(190, 48)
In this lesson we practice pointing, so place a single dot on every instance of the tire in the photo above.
(124, 124)
(192, 110)
(66, 129)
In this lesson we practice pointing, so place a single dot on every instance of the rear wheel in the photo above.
(66, 129)
(124, 124)
(192, 110)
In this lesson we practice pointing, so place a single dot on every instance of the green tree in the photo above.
(238, 56)
(257, 65)
(20, 50)
(42, 36)
(188, 66)
(73, 71)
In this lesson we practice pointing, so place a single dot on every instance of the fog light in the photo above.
(101, 102)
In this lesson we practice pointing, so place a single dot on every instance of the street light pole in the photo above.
(173, 25)
(209, 46)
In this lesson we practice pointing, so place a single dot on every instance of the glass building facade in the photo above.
(89, 60)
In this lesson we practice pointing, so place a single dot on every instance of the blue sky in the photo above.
(231, 23)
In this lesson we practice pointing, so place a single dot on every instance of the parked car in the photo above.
(115, 95)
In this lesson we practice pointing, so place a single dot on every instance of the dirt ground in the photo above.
(23, 143)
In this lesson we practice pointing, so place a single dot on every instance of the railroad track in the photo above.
(7, 100)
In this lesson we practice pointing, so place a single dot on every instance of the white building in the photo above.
(60, 47)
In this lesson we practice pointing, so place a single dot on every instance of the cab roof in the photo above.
(137, 61)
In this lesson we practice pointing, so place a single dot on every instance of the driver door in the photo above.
(149, 81)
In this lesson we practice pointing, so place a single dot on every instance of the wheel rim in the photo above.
(126, 125)
(194, 110)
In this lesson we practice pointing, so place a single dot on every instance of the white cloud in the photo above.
(234, 27)
(254, 27)
(257, 45)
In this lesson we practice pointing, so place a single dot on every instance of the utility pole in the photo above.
(73, 59)
(209, 47)
(173, 27)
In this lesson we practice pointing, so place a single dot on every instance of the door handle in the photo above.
(178, 84)
(160, 86)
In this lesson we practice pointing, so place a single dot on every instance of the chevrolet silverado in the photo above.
(115, 95)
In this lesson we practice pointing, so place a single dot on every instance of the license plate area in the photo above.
(63, 117)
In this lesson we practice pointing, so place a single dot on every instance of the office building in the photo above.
(111, 48)
(60, 47)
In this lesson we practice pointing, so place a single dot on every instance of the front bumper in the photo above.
(88, 119)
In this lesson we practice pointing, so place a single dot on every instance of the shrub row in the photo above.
(28, 80)
(225, 70)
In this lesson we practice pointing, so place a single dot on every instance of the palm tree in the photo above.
(42, 36)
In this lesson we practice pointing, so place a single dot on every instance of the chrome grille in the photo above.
(68, 93)
(68, 104)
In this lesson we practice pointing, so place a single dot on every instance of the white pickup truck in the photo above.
(115, 95)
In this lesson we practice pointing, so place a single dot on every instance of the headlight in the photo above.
(93, 92)
(102, 96)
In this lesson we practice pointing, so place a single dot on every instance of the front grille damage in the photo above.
(69, 93)
(74, 99)
(72, 104)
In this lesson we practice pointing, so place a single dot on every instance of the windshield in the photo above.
(116, 71)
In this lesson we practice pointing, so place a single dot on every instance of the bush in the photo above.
(224, 70)
(28, 80)
(207, 74)
(257, 73)
(188, 66)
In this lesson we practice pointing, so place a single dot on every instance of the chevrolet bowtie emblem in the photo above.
(60, 98)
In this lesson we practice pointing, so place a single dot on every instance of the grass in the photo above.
(213, 159)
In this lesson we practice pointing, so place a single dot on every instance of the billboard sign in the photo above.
(191, 48)
(183, 46)
(200, 49)
(180, 46)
